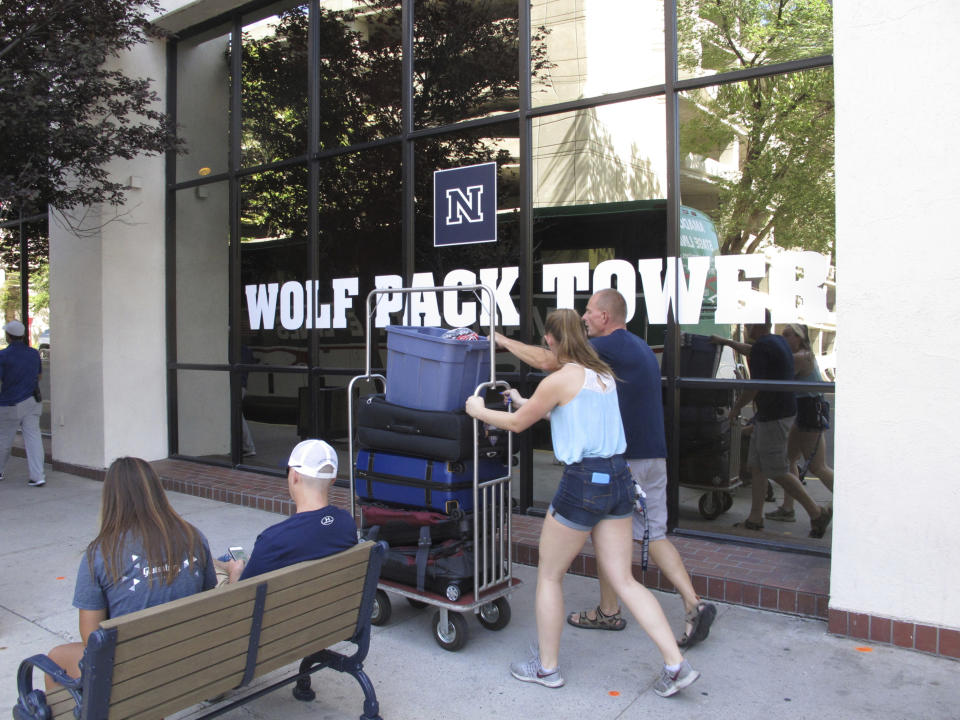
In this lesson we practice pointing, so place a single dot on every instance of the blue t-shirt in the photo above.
(639, 392)
(303, 536)
(19, 370)
(134, 591)
(771, 359)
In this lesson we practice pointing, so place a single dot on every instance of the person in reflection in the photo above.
(641, 410)
(805, 443)
(769, 358)
(315, 530)
(596, 495)
(145, 554)
(248, 448)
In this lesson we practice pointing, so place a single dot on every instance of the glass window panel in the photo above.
(203, 103)
(274, 85)
(359, 214)
(275, 300)
(202, 255)
(495, 143)
(586, 49)
(599, 179)
(203, 414)
(275, 416)
(731, 35)
(465, 60)
(359, 74)
(757, 230)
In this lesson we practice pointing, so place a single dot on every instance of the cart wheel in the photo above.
(381, 609)
(710, 505)
(495, 615)
(454, 636)
(727, 501)
(418, 604)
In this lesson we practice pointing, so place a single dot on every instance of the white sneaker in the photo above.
(36, 483)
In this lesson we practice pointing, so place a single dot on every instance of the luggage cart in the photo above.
(720, 486)
(493, 579)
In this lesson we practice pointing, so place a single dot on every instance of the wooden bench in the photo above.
(158, 661)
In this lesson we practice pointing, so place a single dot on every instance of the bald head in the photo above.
(606, 312)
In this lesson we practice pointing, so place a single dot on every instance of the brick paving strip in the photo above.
(756, 577)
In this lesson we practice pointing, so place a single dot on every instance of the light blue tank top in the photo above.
(589, 425)
(812, 376)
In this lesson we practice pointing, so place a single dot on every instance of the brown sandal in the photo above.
(600, 622)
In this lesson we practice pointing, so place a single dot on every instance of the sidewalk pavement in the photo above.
(755, 664)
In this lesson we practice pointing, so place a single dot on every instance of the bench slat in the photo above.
(196, 653)
(61, 703)
(230, 622)
(201, 684)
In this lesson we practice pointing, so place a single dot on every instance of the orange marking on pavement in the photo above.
(61, 578)
(614, 693)
(864, 648)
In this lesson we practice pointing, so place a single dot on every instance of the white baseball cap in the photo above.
(314, 458)
(14, 328)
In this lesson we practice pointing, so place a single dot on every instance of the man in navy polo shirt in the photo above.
(315, 530)
(19, 375)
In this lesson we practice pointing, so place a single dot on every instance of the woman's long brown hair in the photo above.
(567, 329)
(135, 507)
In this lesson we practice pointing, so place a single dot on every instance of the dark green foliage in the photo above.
(66, 109)
(784, 123)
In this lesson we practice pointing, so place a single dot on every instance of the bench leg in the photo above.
(336, 661)
(371, 708)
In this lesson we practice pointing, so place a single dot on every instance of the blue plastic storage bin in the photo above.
(429, 372)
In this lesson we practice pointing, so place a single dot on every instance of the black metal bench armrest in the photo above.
(32, 704)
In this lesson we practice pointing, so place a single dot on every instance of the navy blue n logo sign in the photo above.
(465, 205)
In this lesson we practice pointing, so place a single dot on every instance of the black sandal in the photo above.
(700, 619)
(600, 622)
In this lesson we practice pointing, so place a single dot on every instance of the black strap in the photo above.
(423, 555)
(253, 642)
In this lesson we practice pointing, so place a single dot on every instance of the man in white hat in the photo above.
(316, 530)
(19, 408)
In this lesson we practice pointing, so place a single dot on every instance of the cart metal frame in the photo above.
(493, 563)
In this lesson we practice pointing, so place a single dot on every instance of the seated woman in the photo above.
(145, 554)
(596, 494)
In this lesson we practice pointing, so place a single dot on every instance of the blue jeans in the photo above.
(592, 490)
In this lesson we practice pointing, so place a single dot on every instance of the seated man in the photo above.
(316, 530)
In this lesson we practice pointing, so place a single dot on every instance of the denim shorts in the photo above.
(592, 490)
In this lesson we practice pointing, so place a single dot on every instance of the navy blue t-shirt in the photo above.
(771, 359)
(303, 536)
(19, 370)
(638, 390)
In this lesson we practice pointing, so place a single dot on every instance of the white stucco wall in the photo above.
(897, 497)
(108, 306)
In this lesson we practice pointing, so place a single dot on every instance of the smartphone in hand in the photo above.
(237, 553)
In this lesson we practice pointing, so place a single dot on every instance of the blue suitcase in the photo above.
(420, 483)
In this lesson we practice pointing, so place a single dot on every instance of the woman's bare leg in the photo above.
(613, 540)
(68, 657)
(559, 545)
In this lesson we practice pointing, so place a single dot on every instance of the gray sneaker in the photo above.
(36, 483)
(532, 671)
(670, 683)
